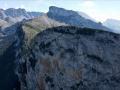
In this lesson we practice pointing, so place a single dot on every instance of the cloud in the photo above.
(88, 4)
(22, 6)
(5, 6)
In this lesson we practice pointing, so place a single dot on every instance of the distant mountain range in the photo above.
(70, 17)
(113, 24)
(14, 15)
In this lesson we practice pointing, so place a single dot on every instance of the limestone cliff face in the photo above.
(70, 58)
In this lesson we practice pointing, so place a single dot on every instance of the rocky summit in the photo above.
(71, 58)
(73, 18)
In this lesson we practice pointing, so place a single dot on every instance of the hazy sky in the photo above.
(97, 9)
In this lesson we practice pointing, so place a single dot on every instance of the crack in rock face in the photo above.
(71, 58)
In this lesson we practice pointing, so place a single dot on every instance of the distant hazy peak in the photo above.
(113, 24)
(113, 20)
(15, 9)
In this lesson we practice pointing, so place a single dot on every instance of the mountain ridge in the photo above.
(73, 18)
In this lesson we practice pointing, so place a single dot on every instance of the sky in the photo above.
(100, 10)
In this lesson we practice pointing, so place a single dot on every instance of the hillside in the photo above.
(71, 58)
(35, 26)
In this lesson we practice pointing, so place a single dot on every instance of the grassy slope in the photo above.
(35, 26)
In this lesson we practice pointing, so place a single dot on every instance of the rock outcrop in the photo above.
(70, 58)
